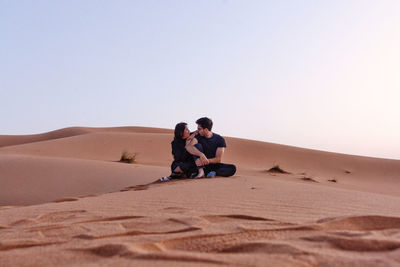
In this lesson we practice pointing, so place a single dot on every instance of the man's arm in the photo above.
(218, 156)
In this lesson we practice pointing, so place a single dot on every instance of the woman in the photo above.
(183, 164)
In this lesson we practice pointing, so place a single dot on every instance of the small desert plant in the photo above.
(128, 157)
(308, 179)
(333, 180)
(277, 169)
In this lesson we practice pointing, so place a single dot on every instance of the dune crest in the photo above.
(11, 140)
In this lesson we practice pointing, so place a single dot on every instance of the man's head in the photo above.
(204, 126)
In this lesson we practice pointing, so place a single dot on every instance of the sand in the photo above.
(66, 200)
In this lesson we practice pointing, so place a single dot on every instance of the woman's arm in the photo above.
(190, 138)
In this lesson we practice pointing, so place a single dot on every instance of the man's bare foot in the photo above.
(200, 174)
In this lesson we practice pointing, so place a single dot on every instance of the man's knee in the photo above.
(232, 169)
(227, 170)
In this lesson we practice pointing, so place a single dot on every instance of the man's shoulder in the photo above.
(220, 140)
(217, 136)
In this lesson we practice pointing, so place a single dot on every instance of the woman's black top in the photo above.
(179, 151)
(182, 159)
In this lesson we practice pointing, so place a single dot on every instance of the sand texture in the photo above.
(66, 200)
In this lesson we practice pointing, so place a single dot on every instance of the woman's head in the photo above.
(181, 131)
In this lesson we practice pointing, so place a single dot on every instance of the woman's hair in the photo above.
(179, 129)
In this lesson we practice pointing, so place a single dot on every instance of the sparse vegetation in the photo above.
(308, 179)
(128, 157)
(333, 180)
(277, 169)
(347, 171)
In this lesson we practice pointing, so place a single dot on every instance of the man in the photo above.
(208, 149)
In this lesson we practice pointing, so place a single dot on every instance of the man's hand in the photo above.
(203, 160)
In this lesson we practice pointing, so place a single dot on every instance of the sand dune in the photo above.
(102, 146)
(29, 180)
(10, 140)
(153, 148)
(95, 210)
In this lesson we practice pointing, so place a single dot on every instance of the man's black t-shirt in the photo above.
(210, 145)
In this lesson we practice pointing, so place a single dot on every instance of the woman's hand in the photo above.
(190, 138)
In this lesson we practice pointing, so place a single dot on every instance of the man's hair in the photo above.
(179, 129)
(205, 123)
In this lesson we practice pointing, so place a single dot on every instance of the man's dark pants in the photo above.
(221, 169)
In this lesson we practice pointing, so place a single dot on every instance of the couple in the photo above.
(199, 154)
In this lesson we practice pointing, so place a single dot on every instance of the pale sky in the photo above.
(316, 74)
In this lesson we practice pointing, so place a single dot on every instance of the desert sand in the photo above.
(66, 200)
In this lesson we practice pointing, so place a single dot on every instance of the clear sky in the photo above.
(315, 74)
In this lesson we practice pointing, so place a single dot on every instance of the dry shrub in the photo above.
(128, 157)
(277, 169)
